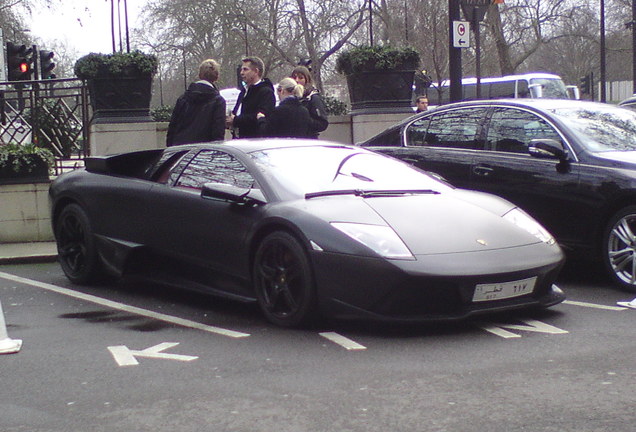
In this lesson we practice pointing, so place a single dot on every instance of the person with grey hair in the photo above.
(290, 119)
(257, 96)
(199, 114)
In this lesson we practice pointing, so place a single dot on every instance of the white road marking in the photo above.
(124, 307)
(594, 305)
(342, 341)
(124, 356)
(531, 326)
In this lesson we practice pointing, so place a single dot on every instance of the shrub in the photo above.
(334, 106)
(162, 113)
(20, 158)
(134, 63)
(373, 58)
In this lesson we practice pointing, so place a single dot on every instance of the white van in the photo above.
(530, 85)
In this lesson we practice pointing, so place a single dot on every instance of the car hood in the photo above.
(444, 224)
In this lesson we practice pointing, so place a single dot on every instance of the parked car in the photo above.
(302, 227)
(570, 164)
(630, 102)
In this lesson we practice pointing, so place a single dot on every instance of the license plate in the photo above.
(503, 290)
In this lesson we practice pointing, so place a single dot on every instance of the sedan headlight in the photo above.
(527, 223)
(381, 239)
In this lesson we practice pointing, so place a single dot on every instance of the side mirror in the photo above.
(547, 149)
(235, 194)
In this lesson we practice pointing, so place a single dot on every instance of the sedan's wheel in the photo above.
(76, 246)
(283, 281)
(619, 251)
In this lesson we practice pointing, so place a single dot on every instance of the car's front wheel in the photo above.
(283, 281)
(76, 249)
(619, 248)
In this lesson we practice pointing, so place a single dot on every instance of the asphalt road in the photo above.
(139, 357)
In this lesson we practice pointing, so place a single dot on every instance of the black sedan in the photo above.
(304, 228)
(570, 164)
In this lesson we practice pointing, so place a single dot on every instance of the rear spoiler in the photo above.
(135, 164)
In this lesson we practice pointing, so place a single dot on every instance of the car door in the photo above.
(548, 189)
(202, 231)
(444, 143)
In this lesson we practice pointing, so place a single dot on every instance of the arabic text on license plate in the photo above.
(503, 290)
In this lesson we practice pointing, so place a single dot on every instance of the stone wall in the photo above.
(24, 213)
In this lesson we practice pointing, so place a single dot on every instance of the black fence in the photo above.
(53, 114)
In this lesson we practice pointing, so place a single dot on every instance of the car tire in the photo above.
(283, 281)
(76, 248)
(619, 248)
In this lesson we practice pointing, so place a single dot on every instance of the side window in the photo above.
(416, 132)
(456, 129)
(213, 166)
(511, 130)
(500, 90)
(390, 138)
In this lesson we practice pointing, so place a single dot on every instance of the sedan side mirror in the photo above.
(235, 194)
(547, 149)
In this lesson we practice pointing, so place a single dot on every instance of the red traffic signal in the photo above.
(18, 62)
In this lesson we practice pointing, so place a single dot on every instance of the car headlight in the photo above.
(527, 223)
(381, 239)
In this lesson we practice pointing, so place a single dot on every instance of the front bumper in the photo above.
(435, 287)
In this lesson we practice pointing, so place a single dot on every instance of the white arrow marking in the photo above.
(531, 326)
(124, 356)
(342, 341)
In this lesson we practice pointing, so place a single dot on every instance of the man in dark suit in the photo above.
(256, 97)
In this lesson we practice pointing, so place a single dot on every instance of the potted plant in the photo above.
(379, 76)
(119, 84)
(24, 163)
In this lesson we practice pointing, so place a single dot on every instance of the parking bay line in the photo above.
(125, 308)
(342, 341)
(594, 305)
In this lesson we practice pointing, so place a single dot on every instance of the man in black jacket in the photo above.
(199, 114)
(256, 97)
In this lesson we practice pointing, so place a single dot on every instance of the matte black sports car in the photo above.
(570, 164)
(302, 227)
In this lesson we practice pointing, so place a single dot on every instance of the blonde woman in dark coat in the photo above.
(290, 119)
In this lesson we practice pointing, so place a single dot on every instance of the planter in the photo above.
(38, 171)
(120, 99)
(384, 89)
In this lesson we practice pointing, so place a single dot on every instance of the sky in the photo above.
(84, 25)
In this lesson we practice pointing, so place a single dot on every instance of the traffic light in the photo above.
(46, 64)
(586, 84)
(19, 62)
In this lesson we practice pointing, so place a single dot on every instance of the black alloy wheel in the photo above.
(76, 246)
(283, 281)
(619, 248)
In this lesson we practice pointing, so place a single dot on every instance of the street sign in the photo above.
(461, 36)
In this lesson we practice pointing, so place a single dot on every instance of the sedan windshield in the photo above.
(298, 171)
(602, 128)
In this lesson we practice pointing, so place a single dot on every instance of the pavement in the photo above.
(23, 253)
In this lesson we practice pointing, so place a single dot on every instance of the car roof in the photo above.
(259, 144)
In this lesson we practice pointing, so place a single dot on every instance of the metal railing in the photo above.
(53, 114)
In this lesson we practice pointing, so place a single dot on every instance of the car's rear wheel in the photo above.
(283, 281)
(619, 251)
(76, 249)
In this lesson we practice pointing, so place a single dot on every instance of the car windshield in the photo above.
(602, 128)
(297, 171)
(551, 88)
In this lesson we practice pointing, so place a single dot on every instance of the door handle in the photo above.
(483, 171)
